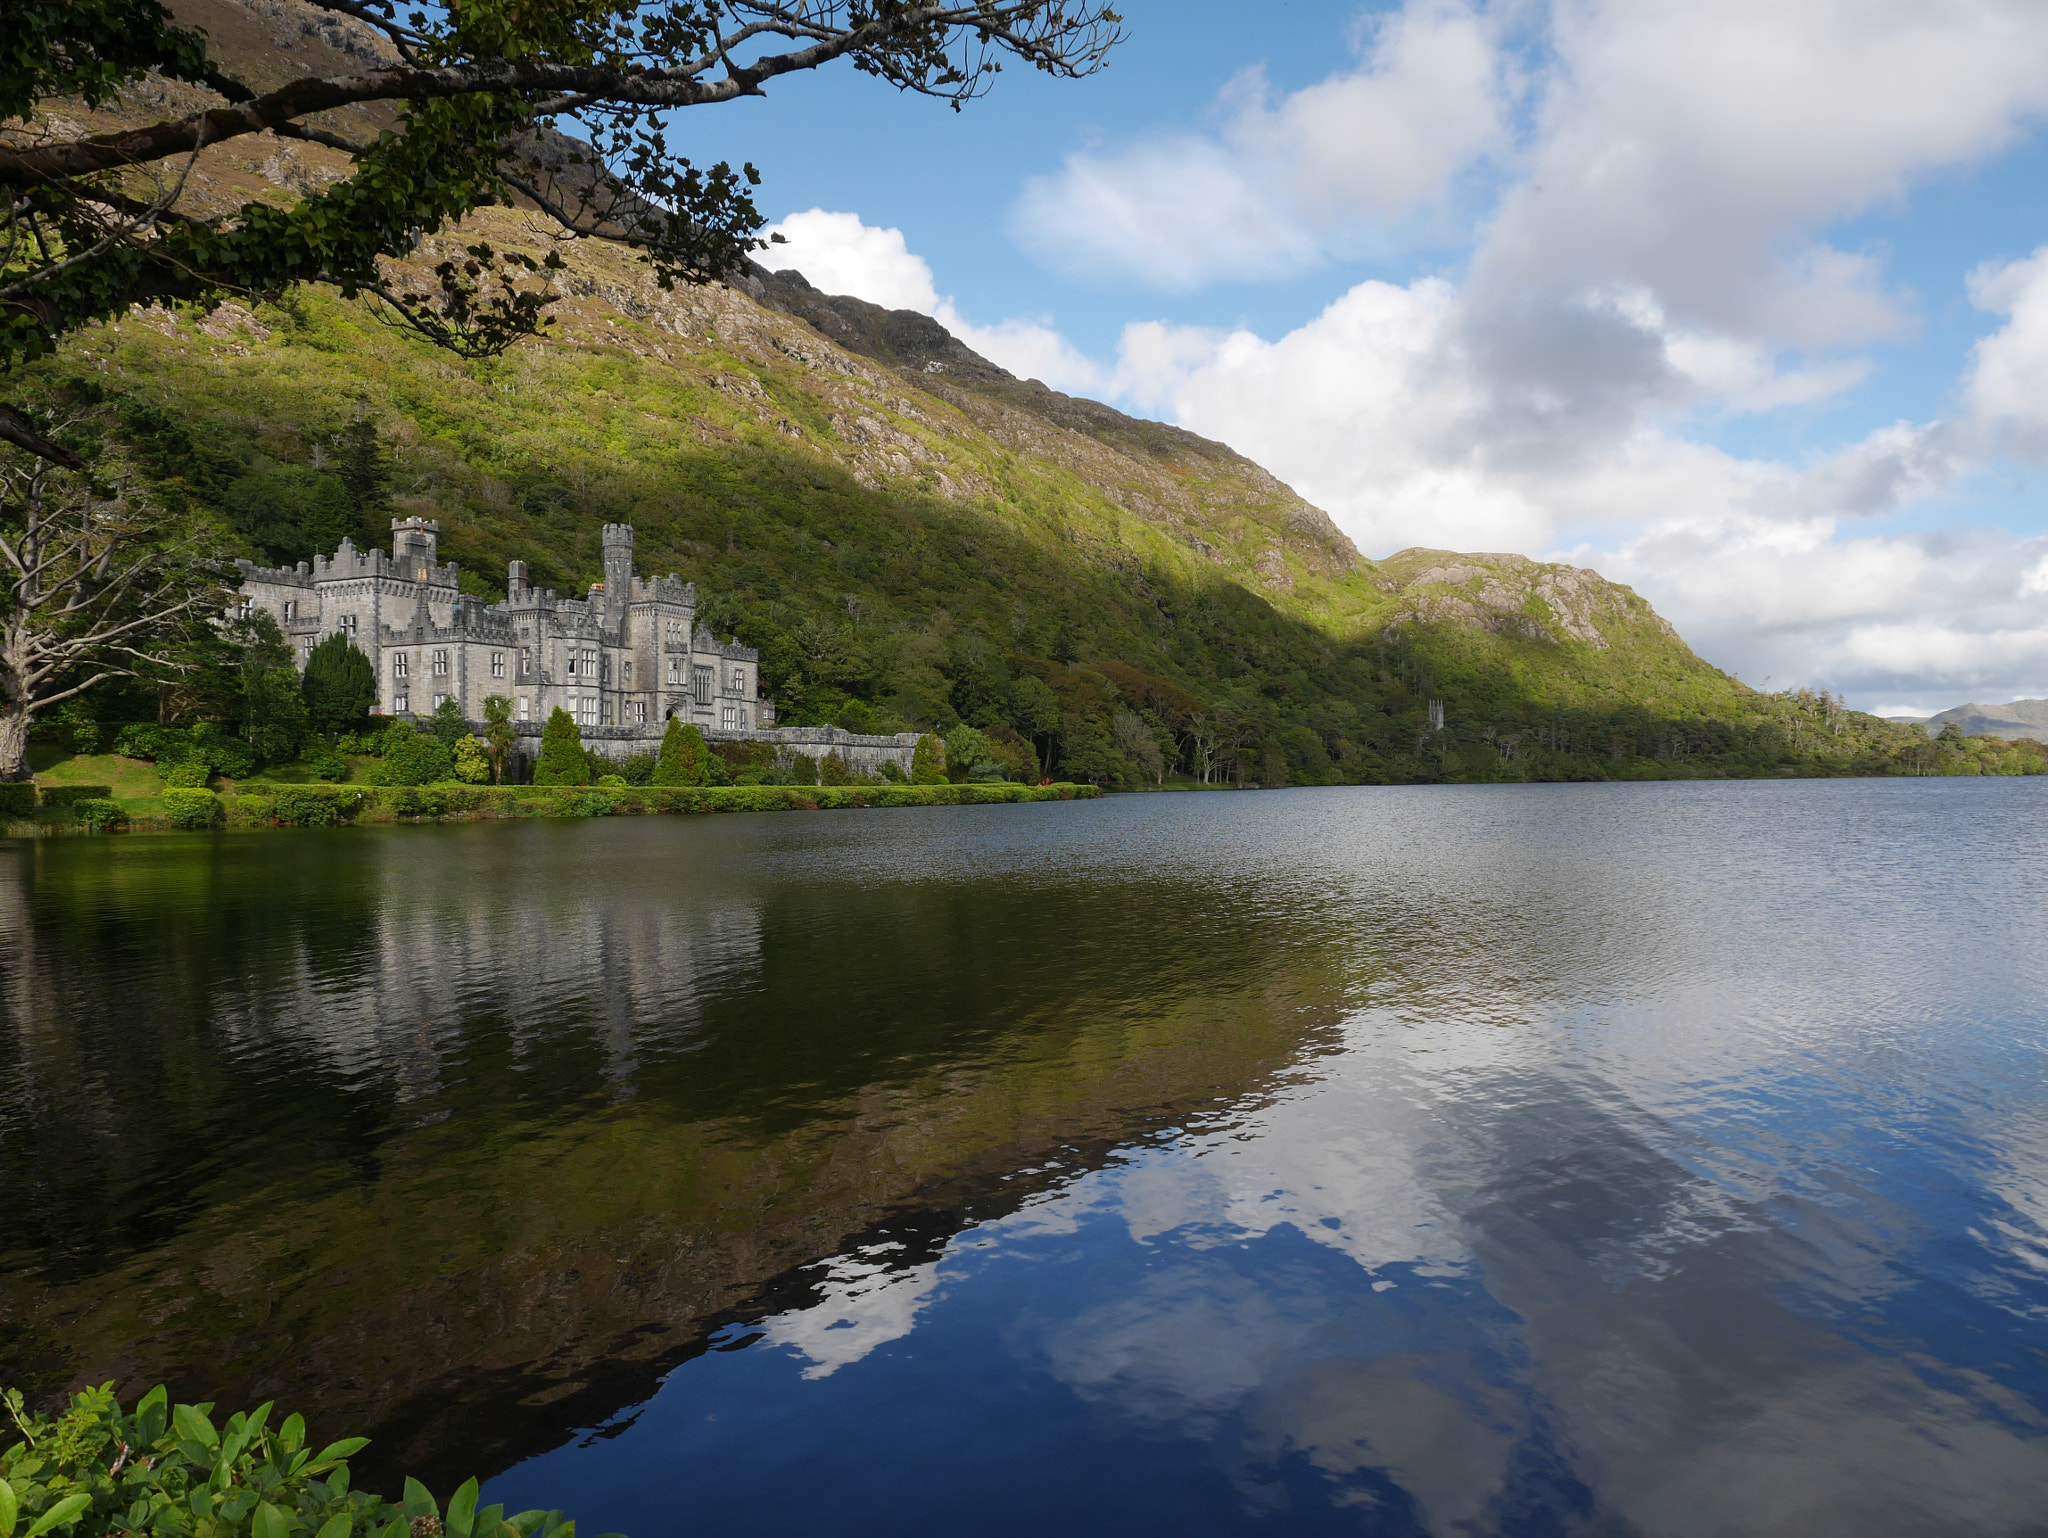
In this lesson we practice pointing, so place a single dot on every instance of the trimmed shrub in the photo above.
(472, 761)
(251, 811)
(562, 760)
(17, 798)
(99, 814)
(189, 774)
(928, 761)
(185, 807)
(71, 795)
(684, 759)
(411, 757)
(318, 806)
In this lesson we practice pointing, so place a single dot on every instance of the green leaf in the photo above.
(152, 1413)
(419, 1500)
(462, 1509)
(292, 1434)
(62, 1514)
(527, 1523)
(334, 1452)
(7, 1509)
(336, 1526)
(193, 1426)
(270, 1522)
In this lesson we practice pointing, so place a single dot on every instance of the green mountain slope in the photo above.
(910, 535)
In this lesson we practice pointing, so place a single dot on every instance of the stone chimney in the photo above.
(515, 580)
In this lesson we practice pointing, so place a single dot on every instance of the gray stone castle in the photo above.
(621, 661)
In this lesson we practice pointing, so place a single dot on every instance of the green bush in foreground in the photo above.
(99, 814)
(166, 1470)
(562, 761)
(17, 798)
(190, 809)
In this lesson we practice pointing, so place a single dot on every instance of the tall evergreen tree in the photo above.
(363, 466)
(562, 759)
(685, 760)
(340, 684)
(928, 761)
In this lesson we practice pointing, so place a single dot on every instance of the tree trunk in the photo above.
(14, 719)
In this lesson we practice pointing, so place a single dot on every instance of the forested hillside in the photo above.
(910, 536)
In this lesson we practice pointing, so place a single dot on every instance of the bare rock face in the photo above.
(1512, 595)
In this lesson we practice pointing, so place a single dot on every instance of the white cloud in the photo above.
(1280, 183)
(838, 254)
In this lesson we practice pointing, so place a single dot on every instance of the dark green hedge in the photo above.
(71, 795)
(17, 798)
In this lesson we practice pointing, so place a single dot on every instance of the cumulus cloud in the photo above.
(839, 253)
(1281, 182)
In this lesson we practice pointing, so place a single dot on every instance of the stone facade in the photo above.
(621, 661)
(630, 654)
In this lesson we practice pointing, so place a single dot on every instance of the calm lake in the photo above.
(1630, 1159)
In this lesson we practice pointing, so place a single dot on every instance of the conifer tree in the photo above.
(340, 684)
(363, 465)
(685, 760)
(562, 759)
(928, 761)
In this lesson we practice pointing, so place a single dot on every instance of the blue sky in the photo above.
(1734, 303)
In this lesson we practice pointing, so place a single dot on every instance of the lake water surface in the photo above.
(1647, 1159)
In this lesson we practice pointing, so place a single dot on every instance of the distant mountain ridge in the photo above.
(2011, 721)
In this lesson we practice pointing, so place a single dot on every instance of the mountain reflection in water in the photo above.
(1607, 1159)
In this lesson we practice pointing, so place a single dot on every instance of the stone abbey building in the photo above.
(621, 661)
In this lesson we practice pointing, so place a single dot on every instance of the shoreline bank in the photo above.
(321, 806)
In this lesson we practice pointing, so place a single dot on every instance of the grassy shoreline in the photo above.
(257, 804)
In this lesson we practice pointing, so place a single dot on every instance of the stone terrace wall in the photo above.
(862, 755)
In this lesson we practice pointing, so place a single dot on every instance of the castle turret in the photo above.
(414, 543)
(618, 565)
(515, 580)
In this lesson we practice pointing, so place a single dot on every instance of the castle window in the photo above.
(525, 708)
(589, 661)
(525, 660)
(586, 710)
(572, 661)
(675, 670)
(441, 664)
(606, 715)
(725, 714)
(604, 668)
(245, 608)
(291, 610)
(701, 684)
(639, 712)
(402, 704)
(348, 626)
(398, 665)
(440, 700)
(497, 664)
(628, 674)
